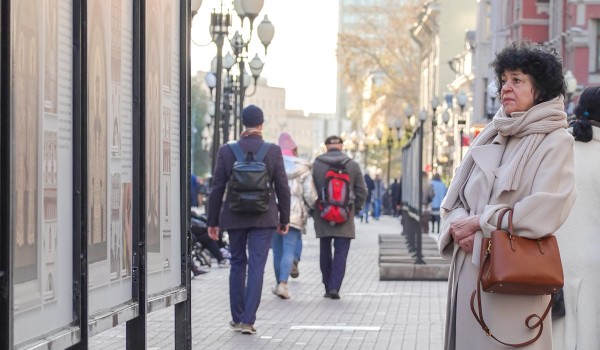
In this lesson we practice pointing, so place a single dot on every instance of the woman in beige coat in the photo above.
(523, 160)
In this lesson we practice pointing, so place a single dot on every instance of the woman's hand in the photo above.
(463, 232)
(283, 229)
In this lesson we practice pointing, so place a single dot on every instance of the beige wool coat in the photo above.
(541, 204)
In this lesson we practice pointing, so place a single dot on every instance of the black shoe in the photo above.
(333, 294)
(327, 295)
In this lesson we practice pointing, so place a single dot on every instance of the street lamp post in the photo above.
(228, 62)
(462, 101)
(435, 102)
(265, 31)
(408, 112)
(445, 153)
(390, 144)
(364, 144)
(571, 83)
(219, 28)
(236, 79)
(398, 126)
(422, 118)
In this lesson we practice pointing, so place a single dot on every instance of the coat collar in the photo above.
(488, 157)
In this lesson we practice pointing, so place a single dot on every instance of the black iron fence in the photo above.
(412, 185)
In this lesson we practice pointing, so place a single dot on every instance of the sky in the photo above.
(301, 58)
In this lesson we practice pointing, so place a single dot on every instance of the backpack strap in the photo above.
(237, 150)
(260, 155)
(239, 154)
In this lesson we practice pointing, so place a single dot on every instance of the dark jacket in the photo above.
(219, 213)
(370, 187)
(357, 186)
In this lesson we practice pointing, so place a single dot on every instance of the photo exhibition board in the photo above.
(110, 153)
(41, 165)
(163, 222)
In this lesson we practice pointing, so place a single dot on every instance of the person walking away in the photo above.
(378, 193)
(370, 187)
(523, 159)
(334, 239)
(578, 239)
(202, 193)
(194, 192)
(303, 199)
(439, 192)
(249, 232)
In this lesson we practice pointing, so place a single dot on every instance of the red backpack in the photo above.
(335, 203)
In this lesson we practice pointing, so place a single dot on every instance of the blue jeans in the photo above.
(365, 211)
(376, 208)
(244, 295)
(298, 251)
(283, 253)
(333, 264)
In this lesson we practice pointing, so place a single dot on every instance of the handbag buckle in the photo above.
(510, 240)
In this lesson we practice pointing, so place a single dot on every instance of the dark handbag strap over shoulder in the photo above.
(477, 293)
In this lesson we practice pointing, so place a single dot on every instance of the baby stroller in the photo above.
(200, 255)
(203, 247)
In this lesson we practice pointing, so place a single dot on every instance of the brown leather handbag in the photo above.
(517, 265)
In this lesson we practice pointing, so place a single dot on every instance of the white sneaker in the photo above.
(281, 291)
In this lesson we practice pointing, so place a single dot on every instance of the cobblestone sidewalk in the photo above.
(371, 314)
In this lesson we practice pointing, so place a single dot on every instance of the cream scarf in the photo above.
(532, 126)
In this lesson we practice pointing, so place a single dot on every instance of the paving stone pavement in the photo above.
(371, 314)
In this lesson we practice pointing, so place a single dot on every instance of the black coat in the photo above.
(219, 213)
(370, 187)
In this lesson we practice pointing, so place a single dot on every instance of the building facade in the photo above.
(444, 34)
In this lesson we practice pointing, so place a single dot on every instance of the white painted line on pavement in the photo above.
(335, 328)
(382, 294)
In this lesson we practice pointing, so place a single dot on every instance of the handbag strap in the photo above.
(477, 293)
(510, 222)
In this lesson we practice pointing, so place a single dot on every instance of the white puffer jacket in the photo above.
(303, 191)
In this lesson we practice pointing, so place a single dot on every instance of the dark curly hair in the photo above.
(586, 112)
(543, 64)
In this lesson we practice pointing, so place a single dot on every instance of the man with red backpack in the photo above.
(342, 193)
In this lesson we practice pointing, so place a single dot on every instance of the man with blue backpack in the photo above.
(256, 205)
(342, 192)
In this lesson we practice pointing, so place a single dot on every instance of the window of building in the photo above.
(488, 22)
